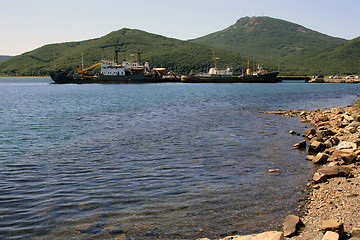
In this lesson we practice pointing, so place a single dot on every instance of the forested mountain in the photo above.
(277, 44)
(176, 55)
(340, 60)
(268, 38)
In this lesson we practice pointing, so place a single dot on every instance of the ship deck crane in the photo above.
(79, 70)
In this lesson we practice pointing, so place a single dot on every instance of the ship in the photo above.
(113, 72)
(259, 76)
(216, 75)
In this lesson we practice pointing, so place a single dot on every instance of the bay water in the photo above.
(152, 161)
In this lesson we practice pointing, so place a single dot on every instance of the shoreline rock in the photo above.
(333, 144)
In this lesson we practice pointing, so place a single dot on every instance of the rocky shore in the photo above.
(332, 206)
(341, 80)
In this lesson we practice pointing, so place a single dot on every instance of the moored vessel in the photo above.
(216, 75)
(259, 76)
(113, 72)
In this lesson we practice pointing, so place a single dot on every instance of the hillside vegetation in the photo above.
(279, 43)
(340, 60)
(176, 55)
(276, 44)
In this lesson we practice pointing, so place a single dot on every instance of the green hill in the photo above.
(340, 60)
(275, 43)
(177, 55)
(269, 40)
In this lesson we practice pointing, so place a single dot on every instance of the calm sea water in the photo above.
(157, 161)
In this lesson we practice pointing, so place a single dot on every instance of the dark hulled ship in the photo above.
(113, 72)
(216, 75)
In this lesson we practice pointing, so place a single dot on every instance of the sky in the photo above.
(30, 24)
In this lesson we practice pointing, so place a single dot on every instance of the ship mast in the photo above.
(248, 70)
(82, 60)
(139, 56)
(116, 55)
(215, 60)
(54, 60)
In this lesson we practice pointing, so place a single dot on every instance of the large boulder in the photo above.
(346, 155)
(329, 235)
(334, 226)
(346, 145)
(316, 147)
(291, 226)
(327, 172)
(320, 158)
(353, 127)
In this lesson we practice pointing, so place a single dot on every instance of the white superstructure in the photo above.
(215, 71)
(110, 68)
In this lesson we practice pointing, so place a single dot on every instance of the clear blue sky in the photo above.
(29, 24)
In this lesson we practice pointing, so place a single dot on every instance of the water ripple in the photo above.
(150, 161)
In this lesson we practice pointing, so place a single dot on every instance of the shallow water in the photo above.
(168, 161)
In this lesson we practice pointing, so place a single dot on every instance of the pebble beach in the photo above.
(331, 209)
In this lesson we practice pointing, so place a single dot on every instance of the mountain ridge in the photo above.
(275, 43)
(262, 36)
(176, 55)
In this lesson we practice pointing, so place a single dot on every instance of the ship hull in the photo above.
(209, 79)
(270, 77)
(61, 77)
